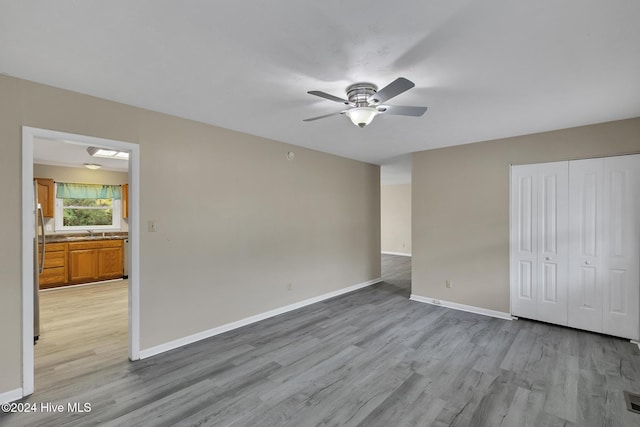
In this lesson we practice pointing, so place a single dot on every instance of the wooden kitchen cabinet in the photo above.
(54, 272)
(110, 265)
(83, 265)
(46, 196)
(72, 263)
(90, 261)
(125, 201)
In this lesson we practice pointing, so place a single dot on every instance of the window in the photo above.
(86, 213)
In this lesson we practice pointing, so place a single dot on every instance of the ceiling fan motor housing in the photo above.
(359, 93)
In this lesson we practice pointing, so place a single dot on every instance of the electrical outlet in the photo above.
(436, 301)
(448, 283)
(289, 286)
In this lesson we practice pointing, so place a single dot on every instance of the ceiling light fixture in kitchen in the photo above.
(108, 153)
(92, 166)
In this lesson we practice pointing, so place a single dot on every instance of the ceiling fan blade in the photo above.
(328, 96)
(394, 88)
(402, 110)
(322, 117)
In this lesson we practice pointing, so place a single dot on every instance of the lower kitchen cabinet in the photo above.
(54, 271)
(72, 263)
(95, 260)
(83, 265)
(110, 262)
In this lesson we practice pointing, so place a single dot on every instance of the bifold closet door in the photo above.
(586, 259)
(539, 250)
(621, 296)
(604, 293)
(524, 241)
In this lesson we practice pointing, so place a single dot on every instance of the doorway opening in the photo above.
(395, 222)
(127, 289)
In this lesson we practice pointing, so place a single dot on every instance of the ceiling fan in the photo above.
(366, 101)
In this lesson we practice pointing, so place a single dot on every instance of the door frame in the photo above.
(28, 225)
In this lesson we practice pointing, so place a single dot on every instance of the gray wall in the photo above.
(460, 207)
(395, 218)
(237, 222)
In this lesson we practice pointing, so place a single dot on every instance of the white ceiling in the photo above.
(71, 154)
(486, 69)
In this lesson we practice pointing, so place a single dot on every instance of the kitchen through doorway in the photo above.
(81, 288)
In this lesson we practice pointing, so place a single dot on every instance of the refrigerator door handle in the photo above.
(43, 241)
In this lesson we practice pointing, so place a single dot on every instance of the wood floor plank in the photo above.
(368, 358)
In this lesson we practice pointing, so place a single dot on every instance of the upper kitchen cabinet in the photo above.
(45, 196)
(125, 200)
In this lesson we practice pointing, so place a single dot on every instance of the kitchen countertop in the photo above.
(75, 237)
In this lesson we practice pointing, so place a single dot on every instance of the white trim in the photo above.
(511, 283)
(152, 351)
(10, 396)
(461, 307)
(134, 251)
(28, 225)
(28, 230)
(394, 253)
(635, 342)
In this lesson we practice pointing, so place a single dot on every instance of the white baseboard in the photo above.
(636, 343)
(10, 396)
(394, 253)
(462, 307)
(249, 320)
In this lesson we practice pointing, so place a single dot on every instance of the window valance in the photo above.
(66, 190)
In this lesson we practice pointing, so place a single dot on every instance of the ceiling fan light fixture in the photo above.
(361, 116)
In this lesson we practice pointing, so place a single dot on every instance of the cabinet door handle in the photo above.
(587, 263)
(548, 259)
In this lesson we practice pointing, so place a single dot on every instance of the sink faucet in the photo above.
(90, 232)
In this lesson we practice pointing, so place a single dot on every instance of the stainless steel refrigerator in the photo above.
(39, 244)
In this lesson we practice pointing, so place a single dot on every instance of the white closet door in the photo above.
(553, 216)
(524, 245)
(575, 244)
(586, 244)
(539, 216)
(621, 250)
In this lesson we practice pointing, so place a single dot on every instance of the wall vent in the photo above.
(633, 402)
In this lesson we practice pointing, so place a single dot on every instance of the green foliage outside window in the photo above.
(87, 212)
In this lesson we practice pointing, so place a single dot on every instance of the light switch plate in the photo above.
(152, 226)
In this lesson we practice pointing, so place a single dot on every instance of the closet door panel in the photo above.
(524, 245)
(585, 244)
(575, 248)
(621, 282)
(552, 219)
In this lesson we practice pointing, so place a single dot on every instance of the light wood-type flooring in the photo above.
(368, 358)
